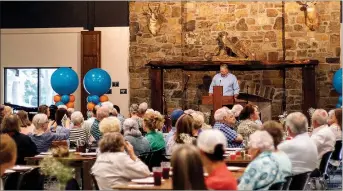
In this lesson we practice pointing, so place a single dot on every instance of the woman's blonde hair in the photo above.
(153, 120)
(109, 124)
(199, 119)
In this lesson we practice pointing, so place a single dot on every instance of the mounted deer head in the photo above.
(310, 13)
(155, 18)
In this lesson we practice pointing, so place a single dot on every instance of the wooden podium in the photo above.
(217, 99)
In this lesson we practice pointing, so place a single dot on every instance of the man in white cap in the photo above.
(212, 144)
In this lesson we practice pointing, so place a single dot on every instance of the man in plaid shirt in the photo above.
(225, 120)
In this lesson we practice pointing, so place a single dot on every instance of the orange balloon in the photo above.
(57, 98)
(71, 98)
(90, 106)
(103, 98)
(70, 104)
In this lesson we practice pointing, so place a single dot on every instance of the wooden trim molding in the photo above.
(90, 58)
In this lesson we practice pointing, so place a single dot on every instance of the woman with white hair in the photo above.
(42, 137)
(269, 166)
(77, 132)
(142, 108)
(114, 166)
(109, 124)
(134, 136)
(134, 114)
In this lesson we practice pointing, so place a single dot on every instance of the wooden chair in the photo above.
(31, 180)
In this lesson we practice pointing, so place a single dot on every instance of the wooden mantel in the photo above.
(308, 75)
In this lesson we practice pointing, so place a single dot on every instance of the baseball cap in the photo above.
(209, 139)
(175, 115)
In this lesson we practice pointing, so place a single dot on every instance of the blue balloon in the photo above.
(337, 81)
(59, 103)
(99, 104)
(95, 99)
(89, 98)
(65, 99)
(64, 81)
(97, 82)
(338, 105)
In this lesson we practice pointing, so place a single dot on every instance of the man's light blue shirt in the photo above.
(229, 83)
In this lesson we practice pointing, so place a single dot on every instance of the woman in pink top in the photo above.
(26, 126)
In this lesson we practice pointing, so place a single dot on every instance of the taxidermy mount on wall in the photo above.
(155, 18)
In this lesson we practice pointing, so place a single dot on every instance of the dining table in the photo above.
(75, 160)
(165, 185)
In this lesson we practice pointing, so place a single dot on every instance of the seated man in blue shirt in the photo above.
(227, 80)
(225, 121)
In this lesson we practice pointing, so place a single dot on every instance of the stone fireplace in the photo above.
(189, 32)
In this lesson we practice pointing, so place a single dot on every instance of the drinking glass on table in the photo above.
(157, 173)
(165, 169)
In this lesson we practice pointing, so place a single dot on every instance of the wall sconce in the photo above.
(310, 14)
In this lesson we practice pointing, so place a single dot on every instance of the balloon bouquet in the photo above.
(96, 82)
(337, 84)
(64, 81)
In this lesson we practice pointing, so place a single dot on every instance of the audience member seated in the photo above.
(119, 116)
(77, 132)
(301, 150)
(225, 121)
(212, 144)
(69, 112)
(236, 109)
(110, 107)
(42, 137)
(46, 110)
(247, 125)
(335, 122)
(142, 108)
(59, 123)
(322, 134)
(7, 110)
(188, 173)
(268, 167)
(52, 110)
(199, 123)
(183, 134)
(134, 136)
(8, 155)
(91, 115)
(101, 113)
(134, 115)
(25, 146)
(109, 124)
(160, 123)
(151, 123)
(26, 126)
(113, 166)
(174, 116)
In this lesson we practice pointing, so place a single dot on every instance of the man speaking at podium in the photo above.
(227, 80)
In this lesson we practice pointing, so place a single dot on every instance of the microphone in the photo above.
(220, 82)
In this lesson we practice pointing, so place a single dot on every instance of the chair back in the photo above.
(95, 182)
(276, 186)
(287, 183)
(11, 181)
(324, 162)
(72, 185)
(156, 158)
(337, 153)
(31, 180)
(299, 181)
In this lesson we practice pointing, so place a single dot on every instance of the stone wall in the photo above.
(189, 33)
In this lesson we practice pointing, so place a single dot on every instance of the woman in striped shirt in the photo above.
(77, 132)
(42, 136)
